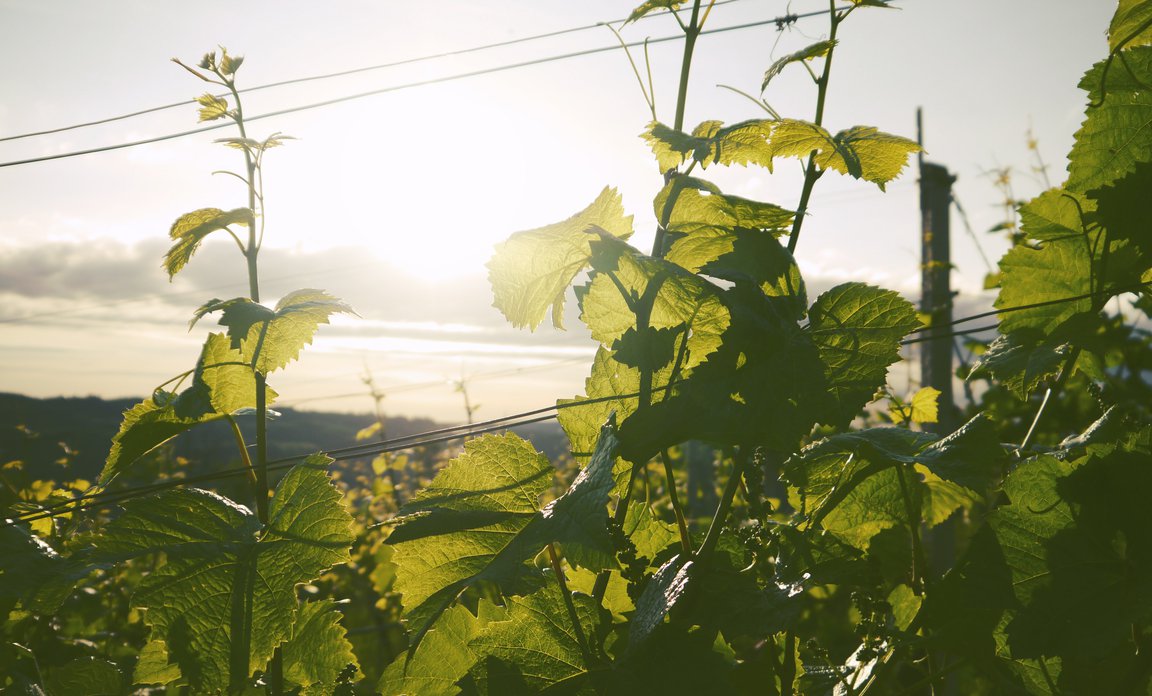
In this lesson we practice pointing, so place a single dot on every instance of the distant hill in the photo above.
(32, 430)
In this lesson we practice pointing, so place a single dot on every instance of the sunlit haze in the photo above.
(393, 202)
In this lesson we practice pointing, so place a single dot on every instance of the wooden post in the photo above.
(936, 290)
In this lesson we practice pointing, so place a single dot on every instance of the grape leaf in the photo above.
(152, 665)
(687, 206)
(445, 659)
(537, 650)
(1019, 364)
(673, 147)
(626, 281)
(480, 520)
(317, 650)
(1075, 538)
(650, 5)
(923, 407)
(663, 591)
(531, 270)
(222, 384)
(270, 339)
(1115, 136)
(1131, 24)
(90, 676)
(191, 228)
(226, 598)
(33, 573)
(816, 50)
(857, 329)
(211, 107)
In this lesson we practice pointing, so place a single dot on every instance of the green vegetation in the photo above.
(819, 570)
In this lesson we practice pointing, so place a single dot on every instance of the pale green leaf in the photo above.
(672, 147)
(857, 329)
(479, 520)
(923, 407)
(317, 651)
(531, 270)
(230, 64)
(270, 339)
(226, 597)
(690, 207)
(905, 605)
(211, 107)
(650, 5)
(816, 50)
(1116, 135)
(191, 228)
(445, 658)
(537, 650)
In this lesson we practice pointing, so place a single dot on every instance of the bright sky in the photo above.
(393, 202)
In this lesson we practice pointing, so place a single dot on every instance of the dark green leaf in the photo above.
(664, 590)
(1018, 364)
(90, 676)
(32, 572)
(445, 659)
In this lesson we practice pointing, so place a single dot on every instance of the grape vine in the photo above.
(811, 571)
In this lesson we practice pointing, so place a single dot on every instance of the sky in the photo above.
(393, 202)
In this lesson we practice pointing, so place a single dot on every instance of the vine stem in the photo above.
(811, 175)
(674, 497)
(1061, 380)
(712, 538)
(558, 571)
(919, 560)
(601, 584)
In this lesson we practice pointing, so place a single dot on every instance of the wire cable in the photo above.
(344, 73)
(395, 88)
(443, 434)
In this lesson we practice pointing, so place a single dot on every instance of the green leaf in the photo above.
(222, 384)
(226, 597)
(480, 521)
(650, 5)
(32, 572)
(857, 329)
(1019, 364)
(816, 50)
(664, 590)
(1130, 24)
(211, 107)
(90, 676)
(1075, 537)
(626, 280)
(445, 659)
(191, 228)
(230, 64)
(317, 651)
(923, 407)
(690, 206)
(672, 147)
(862, 152)
(153, 667)
(531, 271)
(850, 483)
(270, 339)
(1115, 136)
(537, 650)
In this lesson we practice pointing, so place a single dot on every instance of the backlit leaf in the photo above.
(445, 658)
(191, 228)
(480, 521)
(1019, 364)
(921, 408)
(1116, 135)
(317, 650)
(222, 384)
(816, 50)
(531, 270)
(536, 650)
(90, 676)
(1130, 24)
(270, 339)
(858, 328)
(650, 5)
(226, 596)
(211, 107)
